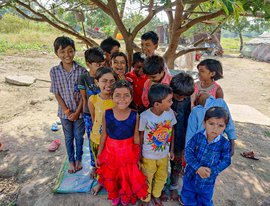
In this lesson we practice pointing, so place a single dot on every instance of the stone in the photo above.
(20, 80)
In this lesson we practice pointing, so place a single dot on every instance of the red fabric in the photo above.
(138, 83)
(119, 173)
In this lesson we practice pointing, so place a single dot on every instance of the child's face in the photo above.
(66, 55)
(214, 127)
(205, 74)
(178, 97)
(119, 65)
(138, 68)
(105, 83)
(166, 103)
(94, 66)
(148, 47)
(156, 78)
(122, 97)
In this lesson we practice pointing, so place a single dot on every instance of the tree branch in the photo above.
(185, 51)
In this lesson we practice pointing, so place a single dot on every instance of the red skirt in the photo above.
(119, 172)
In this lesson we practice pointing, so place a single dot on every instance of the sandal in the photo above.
(54, 127)
(54, 145)
(249, 155)
(157, 201)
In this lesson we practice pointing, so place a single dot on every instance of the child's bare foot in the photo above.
(93, 173)
(96, 189)
(174, 195)
(164, 196)
(78, 165)
(71, 168)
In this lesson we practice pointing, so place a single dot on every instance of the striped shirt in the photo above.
(214, 155)
(66, 85)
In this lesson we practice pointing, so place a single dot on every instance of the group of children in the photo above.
(139, 122)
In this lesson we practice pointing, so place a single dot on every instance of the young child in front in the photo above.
(119, 64)
(207, 154)
(156, 73)
(109, 46)
(182, 85)
(157, 139)
(64, 85)
(97, 104)
(94, 59)
(210, 70)
(137, 78)
(119, 151)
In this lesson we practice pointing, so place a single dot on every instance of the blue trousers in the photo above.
(194, 196)
(73, 130)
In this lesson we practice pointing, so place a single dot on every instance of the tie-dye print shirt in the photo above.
(157, 133)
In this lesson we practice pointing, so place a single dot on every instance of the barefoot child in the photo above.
(64, 85)
(119, 150)
(182, 85)
(157, 138)
(94, 59)
(119, 64)
(210, 70)
(207, 154)
(97, 105)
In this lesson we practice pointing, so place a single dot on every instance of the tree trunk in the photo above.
(129, 50)
(241, 41)
(121, 13)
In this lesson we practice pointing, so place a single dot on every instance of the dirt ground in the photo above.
(28, 171)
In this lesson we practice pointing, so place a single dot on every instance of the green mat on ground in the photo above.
(78, 182)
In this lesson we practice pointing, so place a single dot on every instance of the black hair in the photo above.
(153, 65)
(94, 54)
(104, 70)
(63, 42)
(150, 35)
(182, 84)
(217, 112)
(122, 84)
(119, 54)
(213, 66)
(158, 92)
(108, 44)
(137, 57)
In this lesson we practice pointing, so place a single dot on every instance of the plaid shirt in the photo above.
(214, 155)
(66, 85)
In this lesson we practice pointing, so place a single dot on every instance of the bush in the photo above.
(11, 23)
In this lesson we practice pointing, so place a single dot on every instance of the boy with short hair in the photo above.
(207, 154)
(64, 85)
(157, 139)
(109, 46)
(137, 78)
(149, 43)
(182, 85)
(156, 73)
(86, 83)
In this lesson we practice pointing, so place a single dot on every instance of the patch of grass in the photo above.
(267, 133)
(231, 45)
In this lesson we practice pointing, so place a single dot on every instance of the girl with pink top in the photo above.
(209, 70)
(156, 73)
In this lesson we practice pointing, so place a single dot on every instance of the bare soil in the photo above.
(28, 171)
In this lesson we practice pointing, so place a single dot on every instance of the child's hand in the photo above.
(73, 116)
(171, 155)
(204, 172)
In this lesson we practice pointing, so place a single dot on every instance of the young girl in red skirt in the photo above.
(119, 150)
